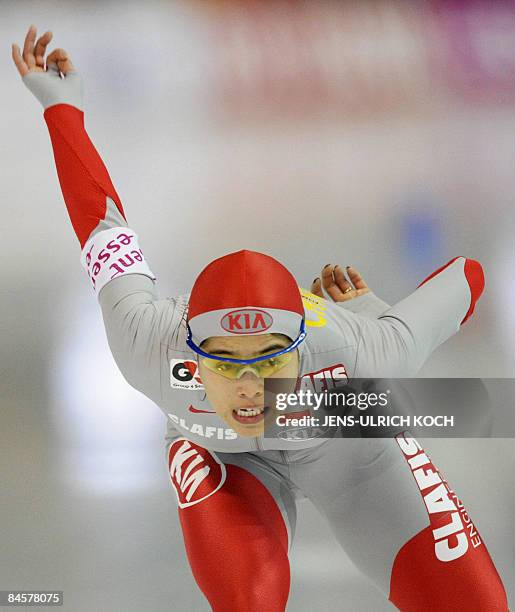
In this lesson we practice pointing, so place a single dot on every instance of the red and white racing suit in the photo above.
(390, 508)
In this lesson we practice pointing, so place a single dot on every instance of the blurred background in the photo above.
(378, 134)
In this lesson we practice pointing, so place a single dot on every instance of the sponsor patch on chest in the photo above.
(184, 375)
(326, 379)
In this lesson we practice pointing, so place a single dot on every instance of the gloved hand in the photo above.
(56, 83)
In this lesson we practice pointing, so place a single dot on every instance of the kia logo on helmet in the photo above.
(247, 321)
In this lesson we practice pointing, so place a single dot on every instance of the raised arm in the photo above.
(91, 199)
(136, 321)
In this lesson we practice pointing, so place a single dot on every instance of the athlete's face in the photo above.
(241, 402)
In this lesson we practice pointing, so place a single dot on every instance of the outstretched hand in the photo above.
(336, 284)
(32, 59)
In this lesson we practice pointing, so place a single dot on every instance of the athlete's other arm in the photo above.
(135, 320)
(399, 342)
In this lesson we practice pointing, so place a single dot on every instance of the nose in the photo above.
(250, 386)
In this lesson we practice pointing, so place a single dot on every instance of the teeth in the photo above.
(249, 412)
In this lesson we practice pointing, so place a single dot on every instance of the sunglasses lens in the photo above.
(224, 368)
(262, 369)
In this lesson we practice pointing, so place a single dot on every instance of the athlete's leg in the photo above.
(402, 525)
(236, 514)
(447, 562)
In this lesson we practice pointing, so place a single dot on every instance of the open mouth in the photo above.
(250, 415)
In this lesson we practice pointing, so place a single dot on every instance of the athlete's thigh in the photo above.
(237, 516)
(403, 526)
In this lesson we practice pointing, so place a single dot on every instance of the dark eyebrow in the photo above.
(269, 349)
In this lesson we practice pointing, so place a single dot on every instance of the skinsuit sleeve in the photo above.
(399, 342)
(367, 305)
(136, 321)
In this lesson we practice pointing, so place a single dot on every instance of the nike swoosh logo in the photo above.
(198, 411)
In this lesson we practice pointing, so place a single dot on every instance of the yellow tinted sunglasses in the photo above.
(262, 369)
